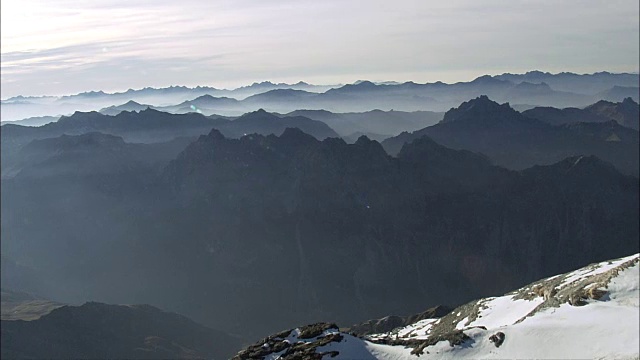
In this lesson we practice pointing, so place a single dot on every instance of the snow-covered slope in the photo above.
(590, 313)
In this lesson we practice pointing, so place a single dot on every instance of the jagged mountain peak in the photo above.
(587, 171)
(260, 114)
(625, 112)
(426, 150)
(487, 80)
(81, 114)
(589, 163)
(419, 145)
(150, 111)
(364, 83)
(371, 146)
(208, 99)
(479, 108)
(205, 97)
(78, 116)
(526, 85)
(536, 73)
(363, 140)
(296, 135)
(601, 103)
(215, 134)
(259, 111)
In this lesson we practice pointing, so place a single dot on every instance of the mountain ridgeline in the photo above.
(517, 141)
(258, 232)
(525, 91)
(625, 113)
(98, 331)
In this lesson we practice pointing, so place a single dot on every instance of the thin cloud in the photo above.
(229, 42)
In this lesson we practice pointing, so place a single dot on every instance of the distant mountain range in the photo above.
(625, 113)
(128, 106)
(515, 140)
(148, 126)
(518, 141)
(256, 209)
(380, 123)
(586, 84)
(203, 232)
(34, 121)
(530, 90)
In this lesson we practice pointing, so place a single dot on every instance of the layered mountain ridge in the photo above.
(517, 141)
(526, 90)
(322, 229)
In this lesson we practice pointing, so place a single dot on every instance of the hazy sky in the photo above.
(69, 46)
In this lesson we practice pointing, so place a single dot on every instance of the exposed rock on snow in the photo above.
(300, 343)
(497, 339)
(390, 323)
(588, 313)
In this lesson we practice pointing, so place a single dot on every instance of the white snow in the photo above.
(418, 330)
(503, 311)
(463, 323)
(597, 269)
(603, 329)
(349, 348)
(624, 288)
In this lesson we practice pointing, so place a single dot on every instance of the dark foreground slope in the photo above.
(101, 331)
(257, 233)
(19, 305)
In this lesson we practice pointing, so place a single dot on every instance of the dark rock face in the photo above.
(377, 326)
(153, 126)
(625, 113)
(556, 116)
(576, 83)
(453, 337)
(262, 122)
(95, 330)
(480, 109)
(435, 312)
(128, 106)
(513, 140)
(257, 233)
(389, 323)
(375, 123)
(311, 331)
(301, 347)
(147, 126)
(497, 339)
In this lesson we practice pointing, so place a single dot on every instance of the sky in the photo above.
(56, 47)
